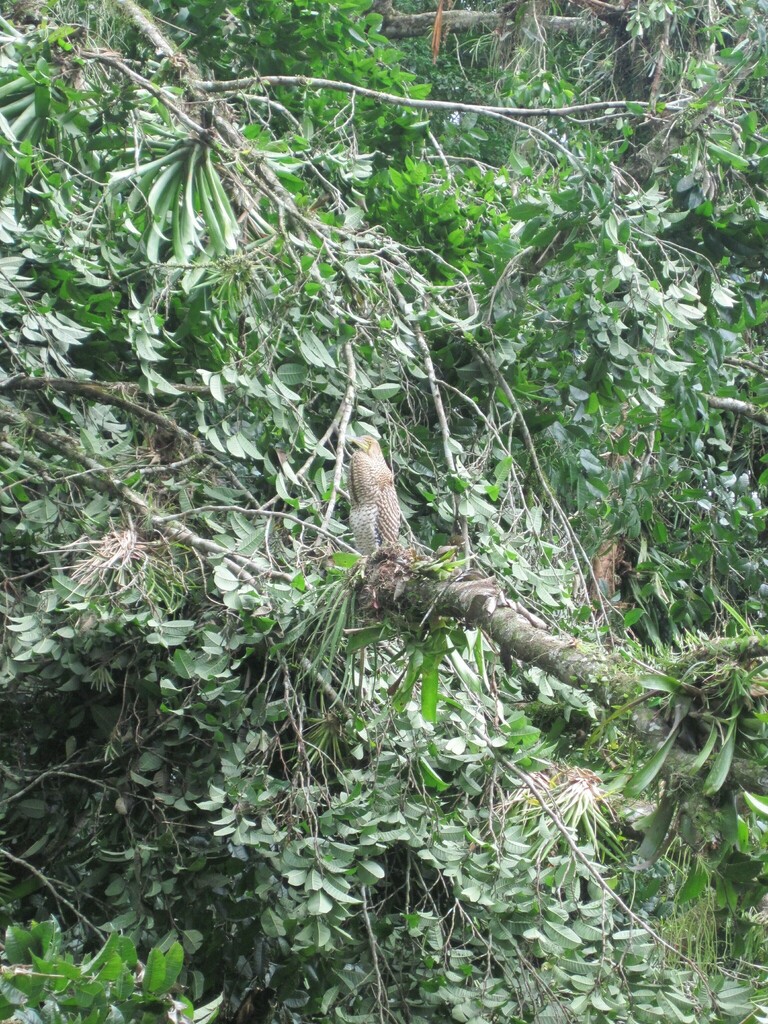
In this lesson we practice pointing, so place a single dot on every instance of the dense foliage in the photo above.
(218, 740)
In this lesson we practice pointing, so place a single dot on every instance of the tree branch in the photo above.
(62, 900)
(396, 584)
(248, 569)
(406, 26)
(739, 408)
(116, 395)
(620, 107)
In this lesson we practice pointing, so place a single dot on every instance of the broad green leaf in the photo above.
(654, 681)
(656, 828)
(345, 559)
(153, 980)
(430, 776)
(174, 961)
(694, 884)
(370, 872)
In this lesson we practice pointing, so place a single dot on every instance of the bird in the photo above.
(374, 513)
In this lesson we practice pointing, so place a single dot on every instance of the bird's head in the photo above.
(367, 444)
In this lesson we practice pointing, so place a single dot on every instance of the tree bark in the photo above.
(740, 408)
(393, 582)
(408, 26)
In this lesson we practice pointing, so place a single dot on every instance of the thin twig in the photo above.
(550, 494)
(346, 414)
(620, 106)
(52, 889)
(268, 513)
(460, 521)
(381, 990)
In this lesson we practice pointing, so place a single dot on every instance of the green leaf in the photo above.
(345, 559)
(174, 961)
(369, 872)
(154, 973)
(382, 392)
(632, 616)
(430, 687)
(643, 778)
(17, 945)
(758, 804)
(727, 156)
(526, 211)
(234, 447)
(412, 672)
(216, 385)
(365, 637)
(721, 766)
(694, 884)
(656, 681)
(656, 828)
(111, 970)
(319, 904)
(430, 776)
(706, 750)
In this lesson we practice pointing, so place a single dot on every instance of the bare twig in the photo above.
(620, 106)
(346, 414)
(267, 513)
(46, 882)
(576, 544)
(381, 989)
(460, 521)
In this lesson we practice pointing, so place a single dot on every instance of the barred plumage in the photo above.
(374, 514)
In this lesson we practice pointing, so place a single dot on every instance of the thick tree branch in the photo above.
(407, 26)
(394, 583)
(739, 408)
(480, 602)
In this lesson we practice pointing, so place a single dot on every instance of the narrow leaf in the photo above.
(655, 836)
(640, 780)
(759, 804)
(706, 750)
(718, 773)
(429, 689)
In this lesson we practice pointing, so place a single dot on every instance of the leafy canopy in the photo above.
(215, 743)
